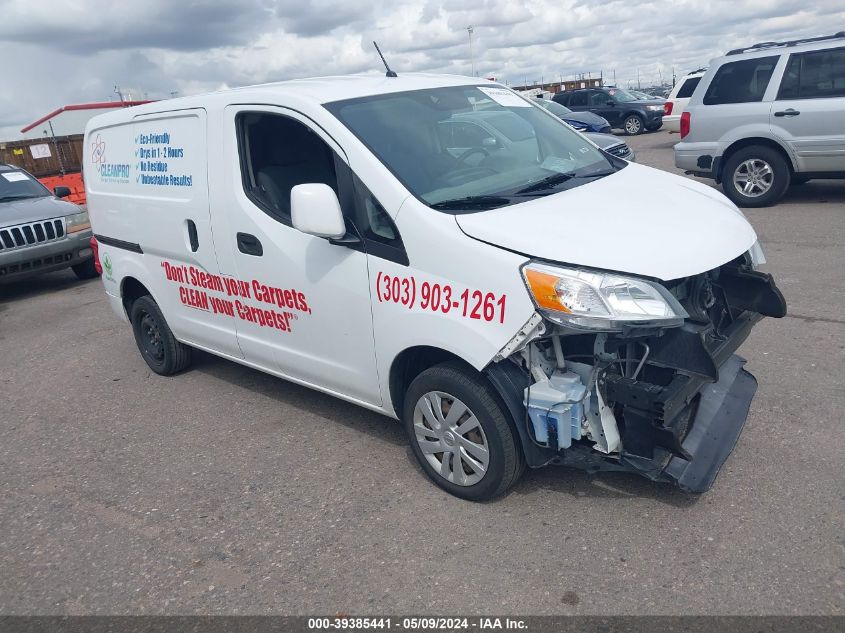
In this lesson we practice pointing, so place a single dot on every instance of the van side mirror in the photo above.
(610, 102)
(489, 141)
(315, 210)
(61, 192)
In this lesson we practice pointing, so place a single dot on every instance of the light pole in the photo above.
(471, 58)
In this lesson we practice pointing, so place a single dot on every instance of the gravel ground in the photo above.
(224, 490)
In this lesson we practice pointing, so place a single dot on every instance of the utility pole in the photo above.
(614, 76)
(638, 77)
(118, 93)
(471, 56)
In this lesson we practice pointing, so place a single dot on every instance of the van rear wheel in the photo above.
(459, 433)
(159, 348)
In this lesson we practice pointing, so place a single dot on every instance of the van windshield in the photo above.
(470, 148)
(15, 185)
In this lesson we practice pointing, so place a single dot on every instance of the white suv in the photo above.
(678, 99)
(767, 116)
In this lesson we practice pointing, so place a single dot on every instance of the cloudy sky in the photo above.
(58, 52)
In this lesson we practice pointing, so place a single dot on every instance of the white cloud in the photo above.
(68, 51)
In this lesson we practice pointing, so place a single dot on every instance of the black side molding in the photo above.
(127, 246)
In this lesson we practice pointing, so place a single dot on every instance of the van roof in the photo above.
(322, 89)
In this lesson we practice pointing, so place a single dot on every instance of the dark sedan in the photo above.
(581, 121)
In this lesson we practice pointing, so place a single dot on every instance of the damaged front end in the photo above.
(618, 373)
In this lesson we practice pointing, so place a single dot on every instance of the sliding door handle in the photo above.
(249, 245)
(193, 238)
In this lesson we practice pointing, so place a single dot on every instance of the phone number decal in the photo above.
(442, 298)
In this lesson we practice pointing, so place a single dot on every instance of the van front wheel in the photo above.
(460, 433)
(159, 348)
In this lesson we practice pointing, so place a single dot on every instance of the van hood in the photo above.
(32, 209)
(639, 220)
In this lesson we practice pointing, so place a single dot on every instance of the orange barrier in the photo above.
(72, 180)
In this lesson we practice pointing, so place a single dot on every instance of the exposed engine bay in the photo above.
(667, 402)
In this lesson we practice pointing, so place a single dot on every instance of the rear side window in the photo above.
(578, 99)
(688, 88)
(742, 81)
(562, 98)
(814, 75)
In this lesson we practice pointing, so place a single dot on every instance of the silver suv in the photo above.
(38, 231)
(768, 116)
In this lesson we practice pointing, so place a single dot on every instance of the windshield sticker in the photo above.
(197, 288)
(505, 97)
(15, 176)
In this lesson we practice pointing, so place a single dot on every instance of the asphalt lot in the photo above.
(224, 490)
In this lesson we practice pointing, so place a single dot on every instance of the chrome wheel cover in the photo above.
(450, 438)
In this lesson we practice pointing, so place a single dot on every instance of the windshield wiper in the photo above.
(554, 180)
(471, 202)
(547, 183)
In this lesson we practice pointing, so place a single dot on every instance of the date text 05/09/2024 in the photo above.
(425, 623)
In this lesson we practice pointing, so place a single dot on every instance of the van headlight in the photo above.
(592, 300)
(77, 222)
(756, 255)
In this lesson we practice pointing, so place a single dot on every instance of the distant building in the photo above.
(71, 119)
(557, 86)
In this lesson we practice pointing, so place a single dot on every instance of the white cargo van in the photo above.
(521, 303)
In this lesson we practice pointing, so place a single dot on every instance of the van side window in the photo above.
(375, 226)
(744, 81)
(278, 153)
(814, 75)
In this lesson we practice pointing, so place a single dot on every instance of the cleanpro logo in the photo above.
(109, 172)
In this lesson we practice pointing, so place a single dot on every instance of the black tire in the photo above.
(633, 125)
(779, 179)
(506, 462)
(85, 270)
(159, 348)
